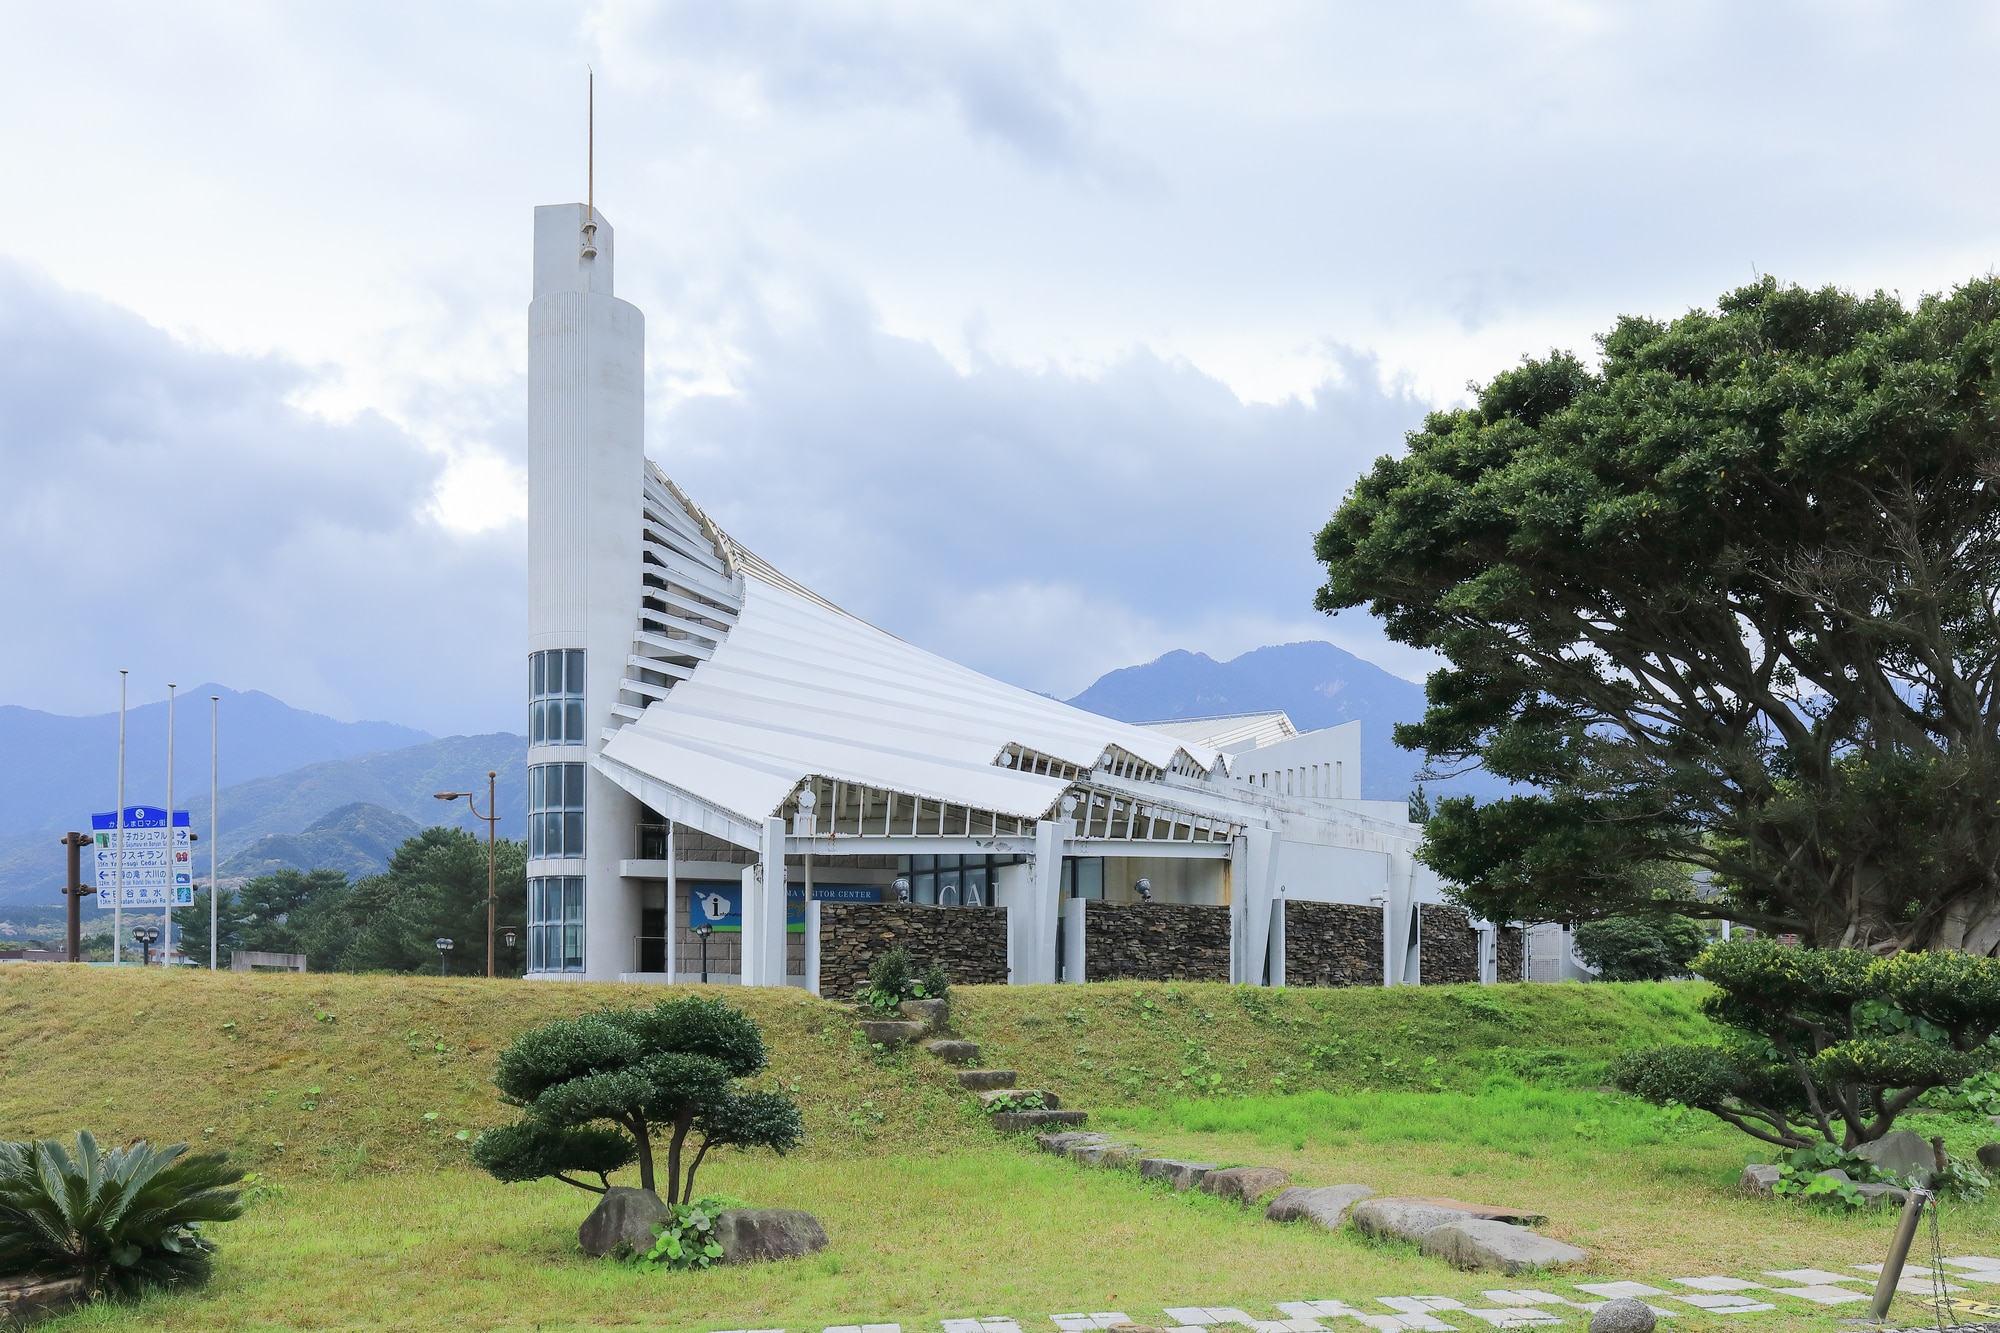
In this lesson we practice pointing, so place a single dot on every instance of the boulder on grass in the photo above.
(1244, 1184)
(1760, 1177)
(1623, 1315)
(1325, 1206)
(955, 1052)
(1181, 1175)
(1476, 1243)
(623, 1220)
(1902, 1153)
(1404, 1219)
(1062, 1141)
(1104, 1154)
(752, 1235)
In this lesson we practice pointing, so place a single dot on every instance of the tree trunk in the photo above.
(642, 1134)
(683, 1119)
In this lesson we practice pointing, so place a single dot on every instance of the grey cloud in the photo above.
(1042, 525)
(1005, 80)
(164, 509)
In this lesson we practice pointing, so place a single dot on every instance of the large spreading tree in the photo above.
(1726, 600)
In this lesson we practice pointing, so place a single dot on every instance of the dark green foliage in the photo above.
(1727, 601)
(531, 1150)
(435, 887)
(1831, 1044)
(122, 1221)
(671, 1068)
(1640, 948)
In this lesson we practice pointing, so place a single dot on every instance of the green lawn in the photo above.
(380, 1225)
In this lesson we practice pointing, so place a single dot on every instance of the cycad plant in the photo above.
(121, 1220)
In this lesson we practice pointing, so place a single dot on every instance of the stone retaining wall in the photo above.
(1155, 942)
(1510, 954)
(1449, 952)
(1332, 944)
(970, 943)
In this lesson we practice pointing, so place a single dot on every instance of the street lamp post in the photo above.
(444, 948)
(704, 930)
(146, 937)
(492, 818)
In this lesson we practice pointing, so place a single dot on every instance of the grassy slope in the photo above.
(930, 1214)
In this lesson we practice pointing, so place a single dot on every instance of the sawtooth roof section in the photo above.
(1228, 732)
(800, 688)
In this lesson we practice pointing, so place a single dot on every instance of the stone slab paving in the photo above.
(1506, 1308)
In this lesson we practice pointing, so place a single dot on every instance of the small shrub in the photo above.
(1640, 948)
(122, 1221)
(893, 978)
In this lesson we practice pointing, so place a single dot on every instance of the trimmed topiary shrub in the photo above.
(1830, 1045)
(595, 1090)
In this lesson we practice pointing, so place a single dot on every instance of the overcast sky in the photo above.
(1043, 336)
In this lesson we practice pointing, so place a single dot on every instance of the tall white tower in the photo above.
(586, 465)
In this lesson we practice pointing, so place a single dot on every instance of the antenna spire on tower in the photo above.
(590, 166)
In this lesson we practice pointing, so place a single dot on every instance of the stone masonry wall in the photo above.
(1155, 942)
(970, 943)
(1510, 954)
(1450, 946)
(1332, 944)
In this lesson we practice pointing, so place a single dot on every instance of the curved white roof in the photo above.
(797, 688)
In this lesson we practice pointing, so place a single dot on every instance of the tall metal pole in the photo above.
(118, 889)
(673, 927)
(214, 822)
(173, 843)
(492, 824)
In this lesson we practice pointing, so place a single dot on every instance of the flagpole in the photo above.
(214, 823)
(173, 843)
(118, 889)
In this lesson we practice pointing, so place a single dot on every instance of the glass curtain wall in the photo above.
(555, 923)
(555, 697)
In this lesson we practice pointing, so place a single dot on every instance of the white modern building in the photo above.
(725, 766)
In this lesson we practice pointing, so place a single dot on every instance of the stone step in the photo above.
(1008, 1122)
(1182, 1175)
(980, 1080)
(1105, 1154)
(1050, 1102)
(931, 1013)
(890, 1032)
(1062, 1141)
(953, 1052)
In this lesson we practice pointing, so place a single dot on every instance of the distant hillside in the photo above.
(1318, 684)
(356, 839)
(401, 781)
(60, 770)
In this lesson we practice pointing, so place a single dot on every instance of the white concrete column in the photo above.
(764, 911)
(1073, 913)
(812, 946)
(1253, 884)
(1034, 922)
(1278, 939)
